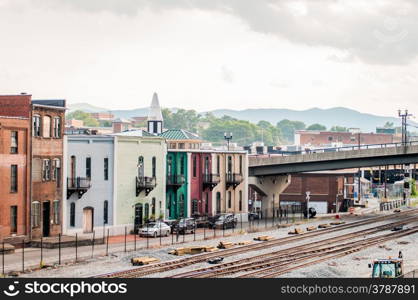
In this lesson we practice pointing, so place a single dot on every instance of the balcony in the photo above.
(77, 185)
(175, 181)
(146, 184)
(210, 180)
(233, 179)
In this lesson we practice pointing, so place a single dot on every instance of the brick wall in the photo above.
(15, 106)
(320, 138)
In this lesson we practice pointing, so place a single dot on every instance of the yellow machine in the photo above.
(387, 268)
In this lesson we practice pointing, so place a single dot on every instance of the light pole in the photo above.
(228, 137)
(404, 115)
(308, 197)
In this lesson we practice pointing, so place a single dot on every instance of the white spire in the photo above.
(154, 113)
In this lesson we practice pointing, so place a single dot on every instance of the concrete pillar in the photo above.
(270, 185)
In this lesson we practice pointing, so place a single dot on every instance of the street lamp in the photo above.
(228, 137)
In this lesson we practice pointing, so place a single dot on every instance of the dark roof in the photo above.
(56, 102)
(179, 134)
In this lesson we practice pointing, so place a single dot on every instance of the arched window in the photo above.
(207, 168)
(105, 212)
(229, 164)
(240, 200)
(194, 166)
(72, 214)
(229, 199)
(141, 169)
(36, 125)
(153, 207)
(57, 127)
(46, 126)
(240, 164)
(218, 165)
(169, 165)
(154, 166)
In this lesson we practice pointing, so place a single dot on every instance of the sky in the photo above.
(205, 55)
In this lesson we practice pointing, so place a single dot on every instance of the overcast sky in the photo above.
(209, 54)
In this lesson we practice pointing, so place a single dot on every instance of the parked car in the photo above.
(185, 225)
(155, 229)
(253, 216)
(172, 224)
(223, 221)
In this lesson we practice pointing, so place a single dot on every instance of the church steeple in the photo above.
(155, 117)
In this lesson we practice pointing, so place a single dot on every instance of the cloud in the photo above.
(376, 31)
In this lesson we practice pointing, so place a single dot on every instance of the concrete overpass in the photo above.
(338, 158)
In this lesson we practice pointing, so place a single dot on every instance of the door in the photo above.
(218, 202)
(88, 222)
(46, 209)
(13, 219)
(138, 217)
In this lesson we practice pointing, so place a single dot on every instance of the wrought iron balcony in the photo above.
(146, 184)
(77, 185)
(175, 181)
(211, 180)
(233, 179)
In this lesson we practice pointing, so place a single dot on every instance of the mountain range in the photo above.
(340, 116)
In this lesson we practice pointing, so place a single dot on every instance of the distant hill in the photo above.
(340, 116)
(329, 117)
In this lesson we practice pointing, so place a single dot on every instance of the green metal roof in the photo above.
(179, 134)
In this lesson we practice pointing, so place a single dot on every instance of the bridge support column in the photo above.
(272, 187)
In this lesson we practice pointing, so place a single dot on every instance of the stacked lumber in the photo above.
(284, 225)
(143, 260)
(211, 249)
(225, 245)
(311, 228)
(297, 230)
(263, 238)
(337, 223)
(324, 225)
(243, 243)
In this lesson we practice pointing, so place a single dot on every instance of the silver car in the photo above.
(155, 229)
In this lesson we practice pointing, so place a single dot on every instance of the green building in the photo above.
(177, 188)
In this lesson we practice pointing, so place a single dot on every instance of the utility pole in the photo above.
(404, 115)
(308, 197)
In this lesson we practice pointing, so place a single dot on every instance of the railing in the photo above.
(345, 148)
(392, 204)
(175, 180)
(233, 179)
(211, 180)
(146, 184)
(77, 184)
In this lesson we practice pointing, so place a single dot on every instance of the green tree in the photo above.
(339, 128)
(288, 129)
(316, 126)
(83, 116)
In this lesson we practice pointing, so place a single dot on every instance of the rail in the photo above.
(338, 149)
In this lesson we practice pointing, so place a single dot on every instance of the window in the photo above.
(146, 210)
(13, 142)
(153, 206)
(169, 166)
(181, 146)
(56, 168)
(229, 164)
(240, 200)
(13, 178)
(218, 163)
(330, 138)
(72, 214)
(218, 202)
(88, 167)
(36, 125)
(141, 172)
(13, 219)
(195, 206)
(105, 212)
(56, 205)
(229, 199)
(240, 164)
(46, 127)
(207, 167)
(57, 127)
(106, 169)
(154, 166)
(207, 203)
(161, 211)
(46, 170)
(181, 206)
(194, 165)
(182, 165)
(36, 214)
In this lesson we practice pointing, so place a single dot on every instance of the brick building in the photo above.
(48, 117)
(325, 189)
(328, 138)
(14, 166)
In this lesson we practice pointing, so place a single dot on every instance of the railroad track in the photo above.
(281, 256)
(184, 262)
(274, 271)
